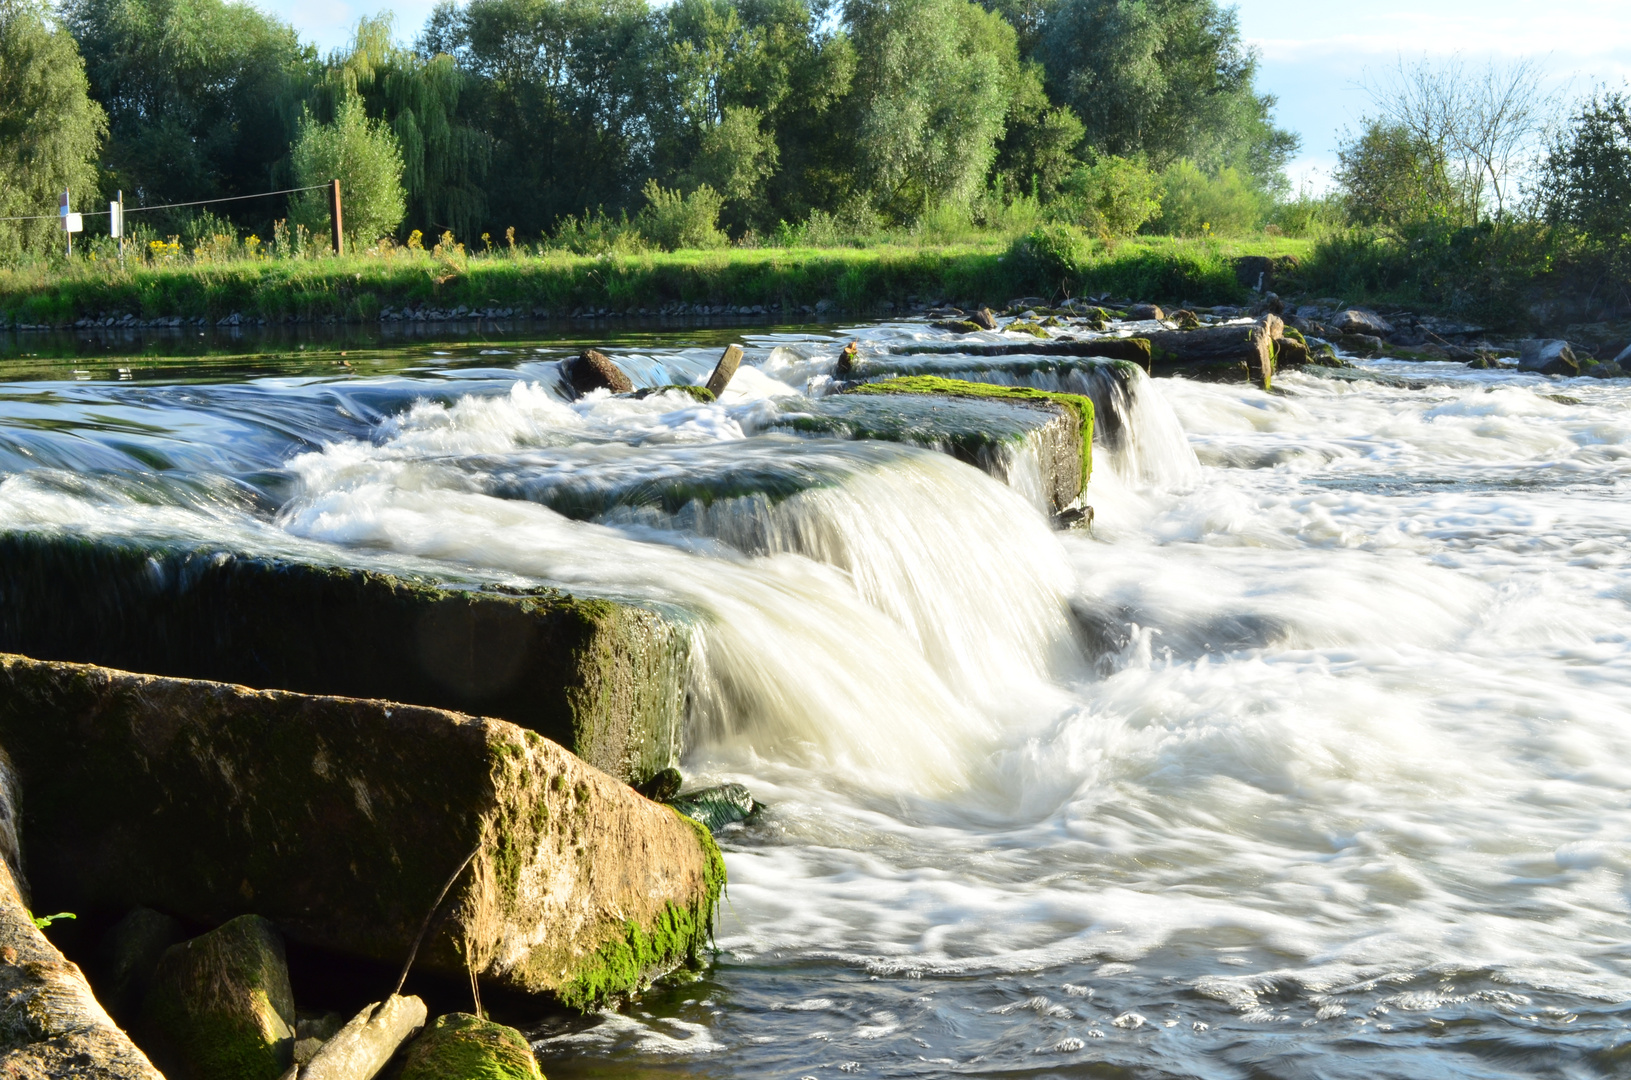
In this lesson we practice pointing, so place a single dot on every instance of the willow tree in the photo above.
(50, 129)
(933, 84)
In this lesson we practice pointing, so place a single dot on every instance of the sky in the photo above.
(1317, 55)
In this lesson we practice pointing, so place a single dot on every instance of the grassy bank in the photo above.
(855, 280)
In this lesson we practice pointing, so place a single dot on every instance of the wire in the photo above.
(171, 206)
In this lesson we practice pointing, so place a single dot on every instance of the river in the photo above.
(1310, 759)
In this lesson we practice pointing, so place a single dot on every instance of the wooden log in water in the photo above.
(1233, 350)
(365, 1045)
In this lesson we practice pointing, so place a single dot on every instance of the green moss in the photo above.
(459, 1046)
(960, 326)
(221, 1007)
(677, 936)
(1031, 328)
(1079, 405)
(1295, 334)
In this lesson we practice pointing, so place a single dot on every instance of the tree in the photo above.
(50, 130)
(735, 158)
(1479, 122)
(1114, 196)
(202, 96)
(444, 159)
(364, 156)
(934, 79)
(1164, 79)
(1396, 179)
(1585, 182)
(1195, 203)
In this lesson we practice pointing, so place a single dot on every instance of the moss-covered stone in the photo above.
(604, 679)
(959, 326)
(717, 807)
(1074, 405)
(460, 1046)
(341, 819)
(1019, 326)
(220, 1007)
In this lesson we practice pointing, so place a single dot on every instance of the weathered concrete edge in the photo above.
(1078, 406)
(579, 888)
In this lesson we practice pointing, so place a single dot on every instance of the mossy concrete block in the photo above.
(460, 1046)
(602, 678)
(50, 1022)
(1065, 446)
(341, 820)
(220, 1006)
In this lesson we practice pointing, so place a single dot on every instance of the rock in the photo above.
(1231, 350)
(662, 787)
(366, 1045)
(606, 680)
(52, 1025)
(717, 807)
(130, 955)
(846, 358)
(1607, 370)
(1134, 349)
(699, 394)
(1360, 321)
(1362, 344)
(984, 319)
(593, 370)
(729, 361)
(468, 1048)
(1291, 352)
(1023, 327)
(1255, 272)
(1186, 319)
(1547, 356)
(220, 1007)
(311, 1034)
(959, 326)
(202, 799)
(1145, 312)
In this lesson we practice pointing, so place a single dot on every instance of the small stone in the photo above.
(984, 319)
(1145, 312)
(469, 1048)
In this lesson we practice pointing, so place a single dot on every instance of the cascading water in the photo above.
(1309, 760)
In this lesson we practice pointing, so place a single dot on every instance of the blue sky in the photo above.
(1316, 53)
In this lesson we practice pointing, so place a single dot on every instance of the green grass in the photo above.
(859, 280)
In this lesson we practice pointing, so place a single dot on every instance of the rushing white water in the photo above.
(1310, 760)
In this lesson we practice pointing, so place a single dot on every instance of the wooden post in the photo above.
(335, 223)
(728, 363)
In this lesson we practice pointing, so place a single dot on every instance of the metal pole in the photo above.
(121, 229)
(334, 216)
(66, 203)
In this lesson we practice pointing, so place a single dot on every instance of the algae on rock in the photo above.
(220, 1006)
(460, 1046)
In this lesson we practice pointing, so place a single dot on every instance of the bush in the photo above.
(673, 221)
(1112, 197)
(1195, 204)
(1050, 257)
(364, 156)
(596, 234)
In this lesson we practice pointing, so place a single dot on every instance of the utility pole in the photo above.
(334, 217)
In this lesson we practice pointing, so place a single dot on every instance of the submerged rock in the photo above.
(604, 679)
(342, 820)
(593, 370)
(460, 1046)
(700, 394)
(717, 807)
(220, 1006)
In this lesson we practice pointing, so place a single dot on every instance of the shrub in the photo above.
(1112, 197)
(364, 156)
(1050, 257)
(1195, 204)
(673, 221)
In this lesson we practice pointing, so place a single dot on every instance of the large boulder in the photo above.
(1360, 321)
(467, 1047)
(50, 1023)
(593, 370)
(342, 820)
(604, 679)
(130, 955)
(220, 1006)
(1548, 356)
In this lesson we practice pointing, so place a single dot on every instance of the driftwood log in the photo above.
(1220, 351)
(365, 1045)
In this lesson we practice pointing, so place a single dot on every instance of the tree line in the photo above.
(736, 116)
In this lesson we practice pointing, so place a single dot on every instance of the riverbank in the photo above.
(869, 280)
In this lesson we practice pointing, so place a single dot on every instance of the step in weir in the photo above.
(602, 678)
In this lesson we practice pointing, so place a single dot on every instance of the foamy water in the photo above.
(1311, 760)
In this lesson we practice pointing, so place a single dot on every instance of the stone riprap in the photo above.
(341, 820)
(604, 679)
